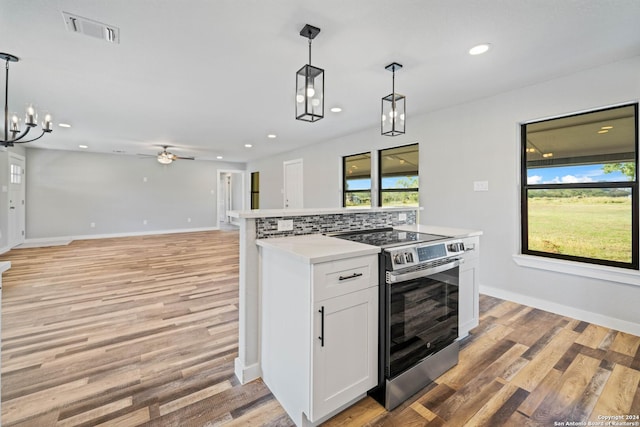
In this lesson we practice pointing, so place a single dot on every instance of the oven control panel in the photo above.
(408, 256)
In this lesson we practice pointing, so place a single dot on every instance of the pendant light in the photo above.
(393, 107)
(309, 85)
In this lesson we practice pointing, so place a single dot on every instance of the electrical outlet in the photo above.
(144, 222)
(92, 225)
(402, 217)
(188, 219)
(285, 225)
(481, 186)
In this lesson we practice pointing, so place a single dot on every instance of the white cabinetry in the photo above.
(319, 332)
(469, 311)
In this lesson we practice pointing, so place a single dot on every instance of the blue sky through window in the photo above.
(572, 174)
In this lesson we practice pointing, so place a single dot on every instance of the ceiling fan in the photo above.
(166, 157)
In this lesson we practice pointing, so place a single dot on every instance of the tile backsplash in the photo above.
(318, 224)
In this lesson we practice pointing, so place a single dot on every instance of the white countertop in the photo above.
(269, 213)
(315, 248)
(443, 231)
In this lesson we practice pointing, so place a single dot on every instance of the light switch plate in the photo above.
(402, 217)
(285, 225)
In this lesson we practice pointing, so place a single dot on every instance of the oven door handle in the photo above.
(403, 277)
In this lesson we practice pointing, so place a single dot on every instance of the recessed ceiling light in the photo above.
(64, 125)
(248, 145)
(219, 157)
(83, 146)
(336, 109)
(603, 131)
(479, 49)
(272, 136)
(606, 127)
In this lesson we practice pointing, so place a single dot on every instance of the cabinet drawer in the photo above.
(341, 277)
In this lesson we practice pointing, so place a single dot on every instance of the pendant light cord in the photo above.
(309, 49)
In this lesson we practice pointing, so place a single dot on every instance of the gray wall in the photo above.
(67, 191)
(481, 141)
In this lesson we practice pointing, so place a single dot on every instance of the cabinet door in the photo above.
(345, 361)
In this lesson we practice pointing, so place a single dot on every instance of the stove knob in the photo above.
(409, 256)
(456, 247)
(398, 259)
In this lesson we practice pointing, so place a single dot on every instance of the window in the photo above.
(15, 174)
(255, 190)
(398, 178)
(356, 180)
(580, 187)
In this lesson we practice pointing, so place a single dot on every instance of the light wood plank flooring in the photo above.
(143, 331)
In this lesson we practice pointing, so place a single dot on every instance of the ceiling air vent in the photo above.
(89, 27)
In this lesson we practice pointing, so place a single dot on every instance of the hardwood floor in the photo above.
(143, 331)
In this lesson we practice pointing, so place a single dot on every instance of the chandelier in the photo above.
(12, 125)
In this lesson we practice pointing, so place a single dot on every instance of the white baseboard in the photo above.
(52, 241)
(4, 249)
(41, 243)
(246, 374)
(564, 310)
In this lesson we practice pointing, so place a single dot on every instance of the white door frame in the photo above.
(220, 192)
(286, 163)
(19, 206)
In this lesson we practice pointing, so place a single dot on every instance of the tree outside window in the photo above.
(398, 178)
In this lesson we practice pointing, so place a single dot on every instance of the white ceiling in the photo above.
(208, 77)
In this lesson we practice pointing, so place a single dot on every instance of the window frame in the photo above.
(525, 187)
(396, 190)
(344, 180)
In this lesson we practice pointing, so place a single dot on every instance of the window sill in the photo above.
(611, 274)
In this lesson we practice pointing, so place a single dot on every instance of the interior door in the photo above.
(293, 184)
(17, 208)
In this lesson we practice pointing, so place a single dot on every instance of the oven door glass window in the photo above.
(422, 319)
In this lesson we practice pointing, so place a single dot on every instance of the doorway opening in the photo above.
(255, 190)
(230, 197)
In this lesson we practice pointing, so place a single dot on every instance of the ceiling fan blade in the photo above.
(183, 158)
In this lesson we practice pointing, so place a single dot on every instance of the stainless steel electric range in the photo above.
(418, 323)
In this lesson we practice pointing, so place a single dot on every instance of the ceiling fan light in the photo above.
(164, 159)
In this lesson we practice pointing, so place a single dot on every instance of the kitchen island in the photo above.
(274, 223)
(320, 321)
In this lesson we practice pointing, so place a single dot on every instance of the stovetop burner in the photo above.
(386, 237)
